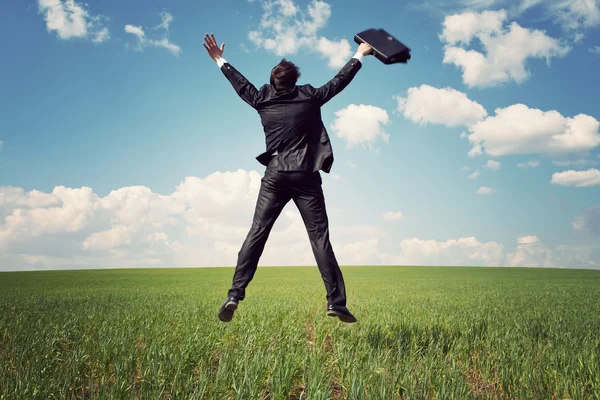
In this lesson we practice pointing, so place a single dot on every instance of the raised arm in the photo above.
(344, 77)
(242, 86)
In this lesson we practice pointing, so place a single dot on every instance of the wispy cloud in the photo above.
(576, 15)
(569, 163)
(589, 221)
(166, 21)
(529, 164)
(144, 41)
(440, 8)
(101, 36)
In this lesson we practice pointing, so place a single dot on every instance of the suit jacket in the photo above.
(291, 119)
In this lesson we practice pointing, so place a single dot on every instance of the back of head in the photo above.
(285, 75)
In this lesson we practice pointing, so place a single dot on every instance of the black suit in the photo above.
(294, 131)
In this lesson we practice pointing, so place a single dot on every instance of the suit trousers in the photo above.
(276, 190)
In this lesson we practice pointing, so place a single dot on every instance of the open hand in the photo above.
(210, 44)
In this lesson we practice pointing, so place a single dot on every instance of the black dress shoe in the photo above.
(341, 312)
(227, 309)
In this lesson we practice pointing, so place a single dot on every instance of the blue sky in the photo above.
(153, 154)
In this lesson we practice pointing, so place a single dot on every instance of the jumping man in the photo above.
(298, 147)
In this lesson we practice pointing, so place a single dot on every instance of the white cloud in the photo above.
(507, 49)
(474, 175)
(492, 164)
(468, 251)
(285, 29)
(337, 53)
(1, 144)
(527, 240)
(144, 41)
(462, 28)
(349, 163)
(516, 129)
(392, 216)
(484, 190)
(135, 30)
(589, 221)
(530, 252)
(204, 221)
(519, 129)
(361, 252)
(529, 164)
(573, 15)
(69, 19)
(591, 177)
(595, 50)
(110, 238)
(360, 125)
(62, 211)
(131, 225)
(288, 7)
(464, 251)
(426, 104)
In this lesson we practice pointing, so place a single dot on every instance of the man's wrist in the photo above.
(359, 56)
(221, 61)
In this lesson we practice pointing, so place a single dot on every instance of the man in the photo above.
(297, 148)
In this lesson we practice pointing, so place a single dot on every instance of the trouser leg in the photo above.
(310, 201)
(271, 200)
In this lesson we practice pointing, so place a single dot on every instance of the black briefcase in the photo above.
(386, 48)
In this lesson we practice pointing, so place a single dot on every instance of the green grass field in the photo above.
(422, 333)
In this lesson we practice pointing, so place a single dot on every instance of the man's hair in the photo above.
(285, 75)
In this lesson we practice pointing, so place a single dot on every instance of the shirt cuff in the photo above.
(221, 61)
(358, 56)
